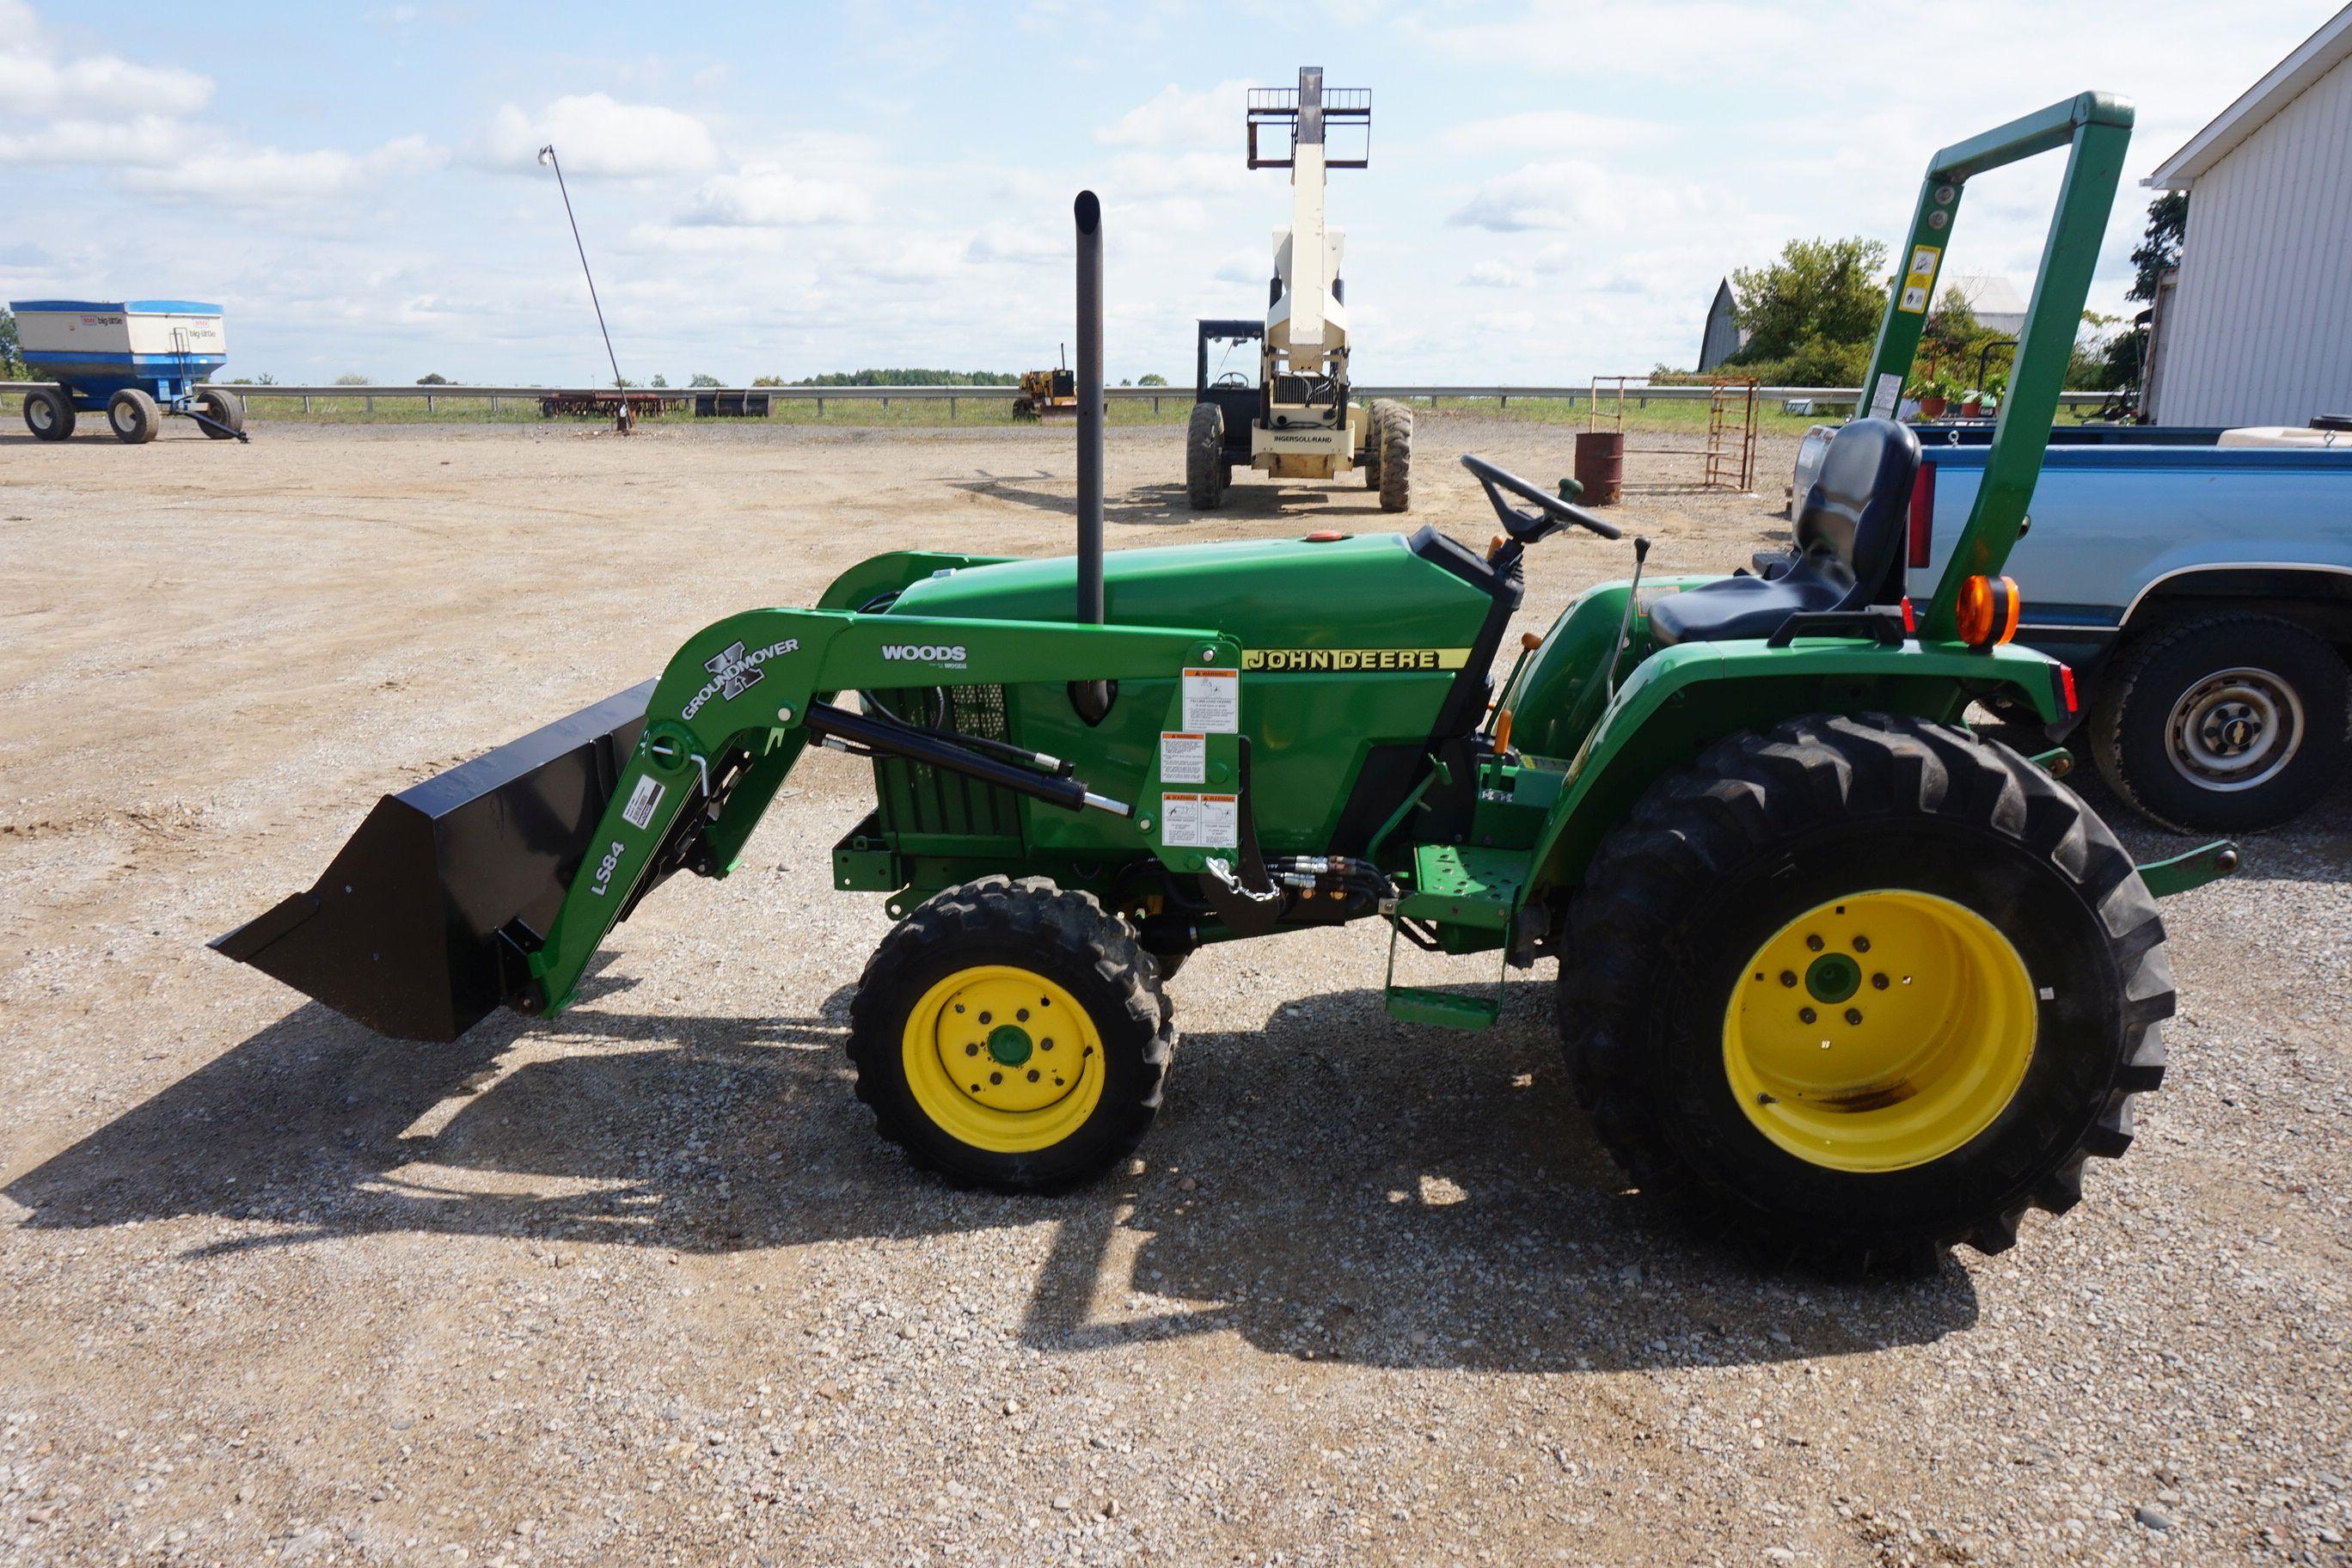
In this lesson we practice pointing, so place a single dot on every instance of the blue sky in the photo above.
(1555, 188)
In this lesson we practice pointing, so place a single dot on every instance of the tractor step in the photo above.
(1447, 1009)
(1465, 885)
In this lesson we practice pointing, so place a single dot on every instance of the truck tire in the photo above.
(1396, 455)
(1205, 458)
(226, 410)
(1011, 1036)
(1368, 459)
(133, 418)
(2223, 723)
(48, 414)
(1863, 988)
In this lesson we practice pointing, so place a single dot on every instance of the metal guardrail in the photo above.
(1435, 395)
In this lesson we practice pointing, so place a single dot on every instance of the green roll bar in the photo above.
(2095, 129)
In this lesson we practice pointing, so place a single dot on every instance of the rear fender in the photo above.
(1681, 699)
(1560, 690)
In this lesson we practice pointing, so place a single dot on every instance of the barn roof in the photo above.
(2313, 59)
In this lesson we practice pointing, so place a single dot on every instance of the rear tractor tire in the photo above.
(133, 418)
(1011, 1036)
(1205, 473)
(48, 414)
(1863, 987)
(1392, 428)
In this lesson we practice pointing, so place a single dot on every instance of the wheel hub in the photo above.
(1002, 1058)
(1911, 1033)
(2234, 729)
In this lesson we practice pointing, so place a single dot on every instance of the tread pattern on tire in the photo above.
(1041, 916)
(1396, 456)
(1752, 790)
(2122, 681)
(1205, 458)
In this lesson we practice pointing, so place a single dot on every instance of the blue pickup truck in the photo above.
(2199, 581)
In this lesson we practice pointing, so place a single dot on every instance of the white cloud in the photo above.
(1175, 117)
(264, 176)
(1576, 193)
(766, 196)
(1546, 130)
(146, 140)
(594, 134)
(1498, 275)
(1019, 243)
(35, 81)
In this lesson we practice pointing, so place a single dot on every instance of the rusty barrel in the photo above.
(1600, 466)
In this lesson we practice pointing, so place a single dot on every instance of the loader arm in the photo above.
(736, 709)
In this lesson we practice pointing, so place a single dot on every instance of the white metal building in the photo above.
(2258, 329)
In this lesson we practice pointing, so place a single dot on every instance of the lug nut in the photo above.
(996, 1077)
(1862, 944)
(1022, 1014)
(1788, 977)
(1854, 1015)
(1814, 942)
(972, 1050)
(1806, 1015)
(983, 1017)
(1046, 1044)
(1878, 981)
(1033, 1075)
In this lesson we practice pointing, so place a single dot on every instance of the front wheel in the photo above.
(2224, 723)
(1863, 987)
(1205, 469)
(1011, 1036)
(226, 410)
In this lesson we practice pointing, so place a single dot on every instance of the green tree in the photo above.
(352, 378)
(661, 381)
(2159, 244)
(435, 379)
(702, 380)
(1153, 380)
(769, 381)
(1831, 292)
(12, 368)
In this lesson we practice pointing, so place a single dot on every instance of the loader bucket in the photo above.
(402, 932)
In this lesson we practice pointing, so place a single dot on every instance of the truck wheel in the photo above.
(133, 417)
(1011, 1035)
(2224, 723)
(1863, 988)
(224, 409)
(1368, 459)
(1396, 456)
(48, 414)
(1206, 472)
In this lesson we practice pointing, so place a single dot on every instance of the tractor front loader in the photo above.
(1851, 977)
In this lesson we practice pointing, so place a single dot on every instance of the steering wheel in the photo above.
(1231, 378)
(1526, 527)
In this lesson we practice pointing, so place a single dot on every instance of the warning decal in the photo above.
(1212, 701)
(1183, 759)
(1919, 281)
(1200, 821)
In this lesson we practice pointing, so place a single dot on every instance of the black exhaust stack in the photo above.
(1091, 698)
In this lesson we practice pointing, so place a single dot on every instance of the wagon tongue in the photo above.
(403, 932)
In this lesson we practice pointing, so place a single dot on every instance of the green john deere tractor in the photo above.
(1829, 961)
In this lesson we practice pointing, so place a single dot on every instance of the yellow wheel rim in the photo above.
(1880, 1031)
(1002, 1058)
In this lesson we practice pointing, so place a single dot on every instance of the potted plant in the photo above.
(1935, 393)
(1972, 404)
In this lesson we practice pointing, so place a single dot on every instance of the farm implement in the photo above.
(1830, 962)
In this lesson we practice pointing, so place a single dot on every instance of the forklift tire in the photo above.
(133, 417)
(48, 414)
(1393, 423)
(1205, 471)
(953, 1037)
(226, 412)
(2223, 723)
(1861, 988)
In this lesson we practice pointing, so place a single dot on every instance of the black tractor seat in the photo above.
(1848, 532)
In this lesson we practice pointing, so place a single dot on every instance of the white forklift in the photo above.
(1296, 420)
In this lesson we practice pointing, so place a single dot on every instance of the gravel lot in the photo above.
(641, 1286)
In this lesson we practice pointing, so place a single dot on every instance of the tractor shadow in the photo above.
(1332, 1187)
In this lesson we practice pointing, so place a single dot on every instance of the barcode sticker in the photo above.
(643, 800)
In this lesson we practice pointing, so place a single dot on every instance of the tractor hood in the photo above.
(1297, 603)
